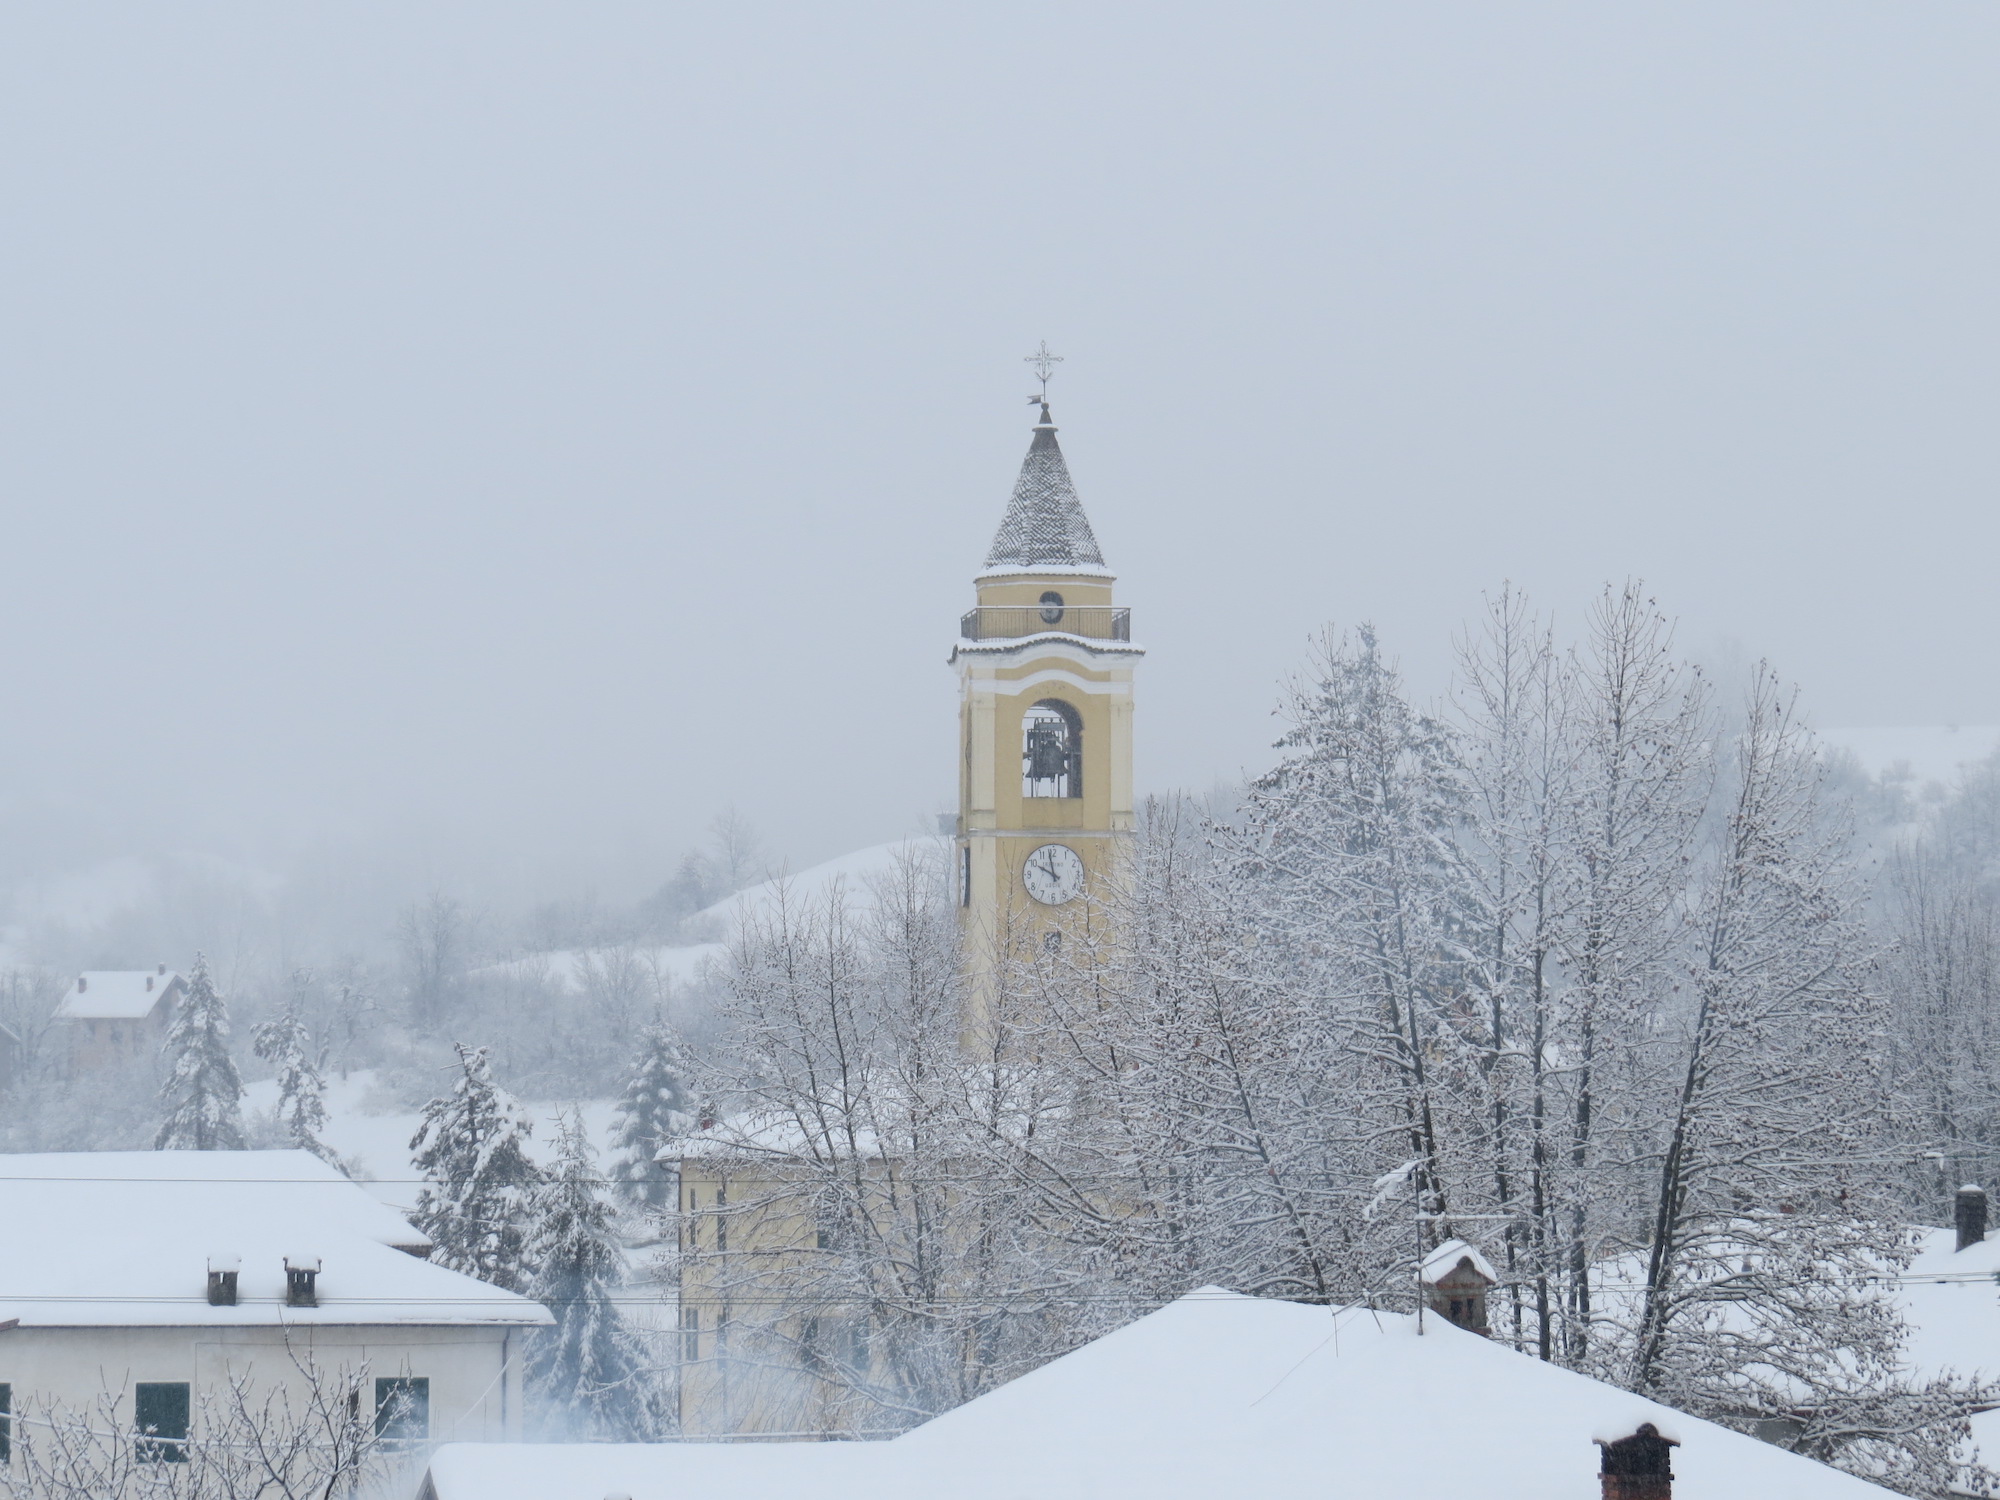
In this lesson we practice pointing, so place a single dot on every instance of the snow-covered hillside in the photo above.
(1923, 753)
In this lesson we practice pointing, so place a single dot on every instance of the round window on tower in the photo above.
(1052, 608)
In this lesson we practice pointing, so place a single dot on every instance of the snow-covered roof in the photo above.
(1444, 1260)
(1220, 1394)
(1951, 1299)
(1045, 522)
(113, 1238)
(654, 1471)
(117, 994)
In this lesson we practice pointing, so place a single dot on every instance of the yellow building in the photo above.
(768, 1343)
(1045, 663)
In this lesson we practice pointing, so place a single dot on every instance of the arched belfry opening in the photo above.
(1052, 750)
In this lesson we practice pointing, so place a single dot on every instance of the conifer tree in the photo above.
(588, 1372)
(203, 1092)
(652, 1109)
(472, 1149)
(301, 1090)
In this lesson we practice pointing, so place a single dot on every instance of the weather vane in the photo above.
(1045, 365)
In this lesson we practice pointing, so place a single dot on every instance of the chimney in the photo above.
(163, 971)
(149, 984)
(222, 1271)
(302, 1281)
(1968, 1212)
(1639, 1467)
(82, 983)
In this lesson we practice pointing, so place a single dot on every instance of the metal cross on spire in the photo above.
(1045, 365)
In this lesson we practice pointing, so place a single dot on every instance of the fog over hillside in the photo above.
(475, 455)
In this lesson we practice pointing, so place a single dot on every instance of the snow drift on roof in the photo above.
(116, 994)
(116, 1238)
(1218, 1395)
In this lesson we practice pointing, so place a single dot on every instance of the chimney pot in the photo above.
(222, 1269)
(163, 970)
(302, 1282)
(1968, 1212)
(1639, 1467)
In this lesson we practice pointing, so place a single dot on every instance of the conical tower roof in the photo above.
(1045, 525)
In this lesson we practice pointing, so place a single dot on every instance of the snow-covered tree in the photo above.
(301, 1107)
(1769, 1235)
(1349, 842)
(1513, 695)
(652, 1109)
(1642, 769)
(471, 1150)
(589, 1376)
(203, 1092)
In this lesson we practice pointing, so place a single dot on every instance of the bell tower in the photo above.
(1045, 662)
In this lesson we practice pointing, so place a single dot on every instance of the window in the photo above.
(402, 1408)
(160, 1412)
(6, 1422)
(1052, 750)
(1052, 608)
(690, 1335)
(965, 875)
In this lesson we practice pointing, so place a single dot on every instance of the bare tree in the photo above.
(310, 1434)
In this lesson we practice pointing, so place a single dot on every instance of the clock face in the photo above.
(1053, 874)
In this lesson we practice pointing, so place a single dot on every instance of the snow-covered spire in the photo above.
(1045, 525)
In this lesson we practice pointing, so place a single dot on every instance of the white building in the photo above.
(112, 1015)
(1214, 1395)
(157, 1276)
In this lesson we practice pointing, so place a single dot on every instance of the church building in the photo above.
(1045, 662)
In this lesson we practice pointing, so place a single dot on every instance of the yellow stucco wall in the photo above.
(999, 826)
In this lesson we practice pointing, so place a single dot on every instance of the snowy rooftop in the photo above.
(116, 994)
(1045, 522)
(1215, 1394)
(1444, 1260)
(1952, 1300)
(127, 1237)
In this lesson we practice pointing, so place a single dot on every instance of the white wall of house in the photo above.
(474, 1372)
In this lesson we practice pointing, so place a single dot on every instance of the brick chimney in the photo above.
(1639, 1467)
(1968, 1212)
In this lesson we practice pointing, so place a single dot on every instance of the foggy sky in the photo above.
(498, 437)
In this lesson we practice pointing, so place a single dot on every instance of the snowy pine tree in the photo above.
(472, 1149)
(301, 1091)
(588, 1373)
(652, 1108)
(203, 1092)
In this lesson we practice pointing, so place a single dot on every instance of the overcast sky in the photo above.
(505, 435)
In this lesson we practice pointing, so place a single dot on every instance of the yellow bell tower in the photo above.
(1045, 662)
